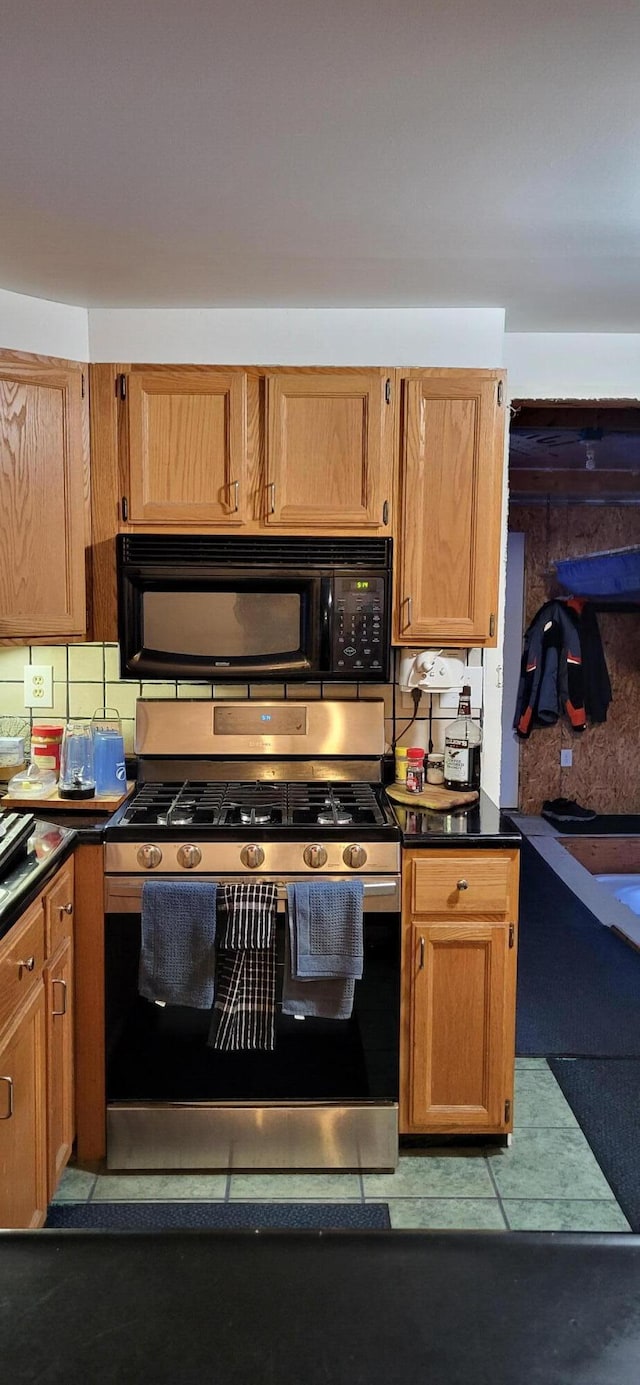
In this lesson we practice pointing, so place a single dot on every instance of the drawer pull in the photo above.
(27, 965)
(66, 909)
(9, 1114)
(421, 965)
(462, 885)
(59, 982)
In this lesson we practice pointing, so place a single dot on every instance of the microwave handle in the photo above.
(326, 624)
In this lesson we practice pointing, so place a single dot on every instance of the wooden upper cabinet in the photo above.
(43, 470)
(187, 446)
(452, 468)
(329, 450)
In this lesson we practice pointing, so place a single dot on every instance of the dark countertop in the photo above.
(482, 826)
(52, 845)
(332, 1308)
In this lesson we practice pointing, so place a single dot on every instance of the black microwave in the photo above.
(206, 606)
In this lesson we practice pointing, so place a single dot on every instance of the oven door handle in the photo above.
(123, 893)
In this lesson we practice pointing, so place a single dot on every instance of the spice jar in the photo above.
(435, 768)
(415, 769)
(45, 746)
(401, 764)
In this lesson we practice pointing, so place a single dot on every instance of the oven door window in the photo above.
(223, 630)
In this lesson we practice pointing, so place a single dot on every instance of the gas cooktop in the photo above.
(269, 807)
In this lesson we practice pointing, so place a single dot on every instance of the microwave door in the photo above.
(227, 630)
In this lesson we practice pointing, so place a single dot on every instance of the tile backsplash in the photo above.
(86, 677)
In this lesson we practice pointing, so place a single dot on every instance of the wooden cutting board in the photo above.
(72, 805)
(432, 796)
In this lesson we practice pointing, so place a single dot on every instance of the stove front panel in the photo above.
(218, 857)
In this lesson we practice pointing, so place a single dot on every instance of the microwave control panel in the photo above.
(359, 626)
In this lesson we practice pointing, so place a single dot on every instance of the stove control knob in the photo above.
(149, 856)
(189, 856)
(252, 856)
(315, 856)
(354, 856)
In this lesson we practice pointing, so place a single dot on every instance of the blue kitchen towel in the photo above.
(328, 928)
(177, 957)
(327, 998)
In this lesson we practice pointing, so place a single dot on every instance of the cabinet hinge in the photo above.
(512, 935)
(82, 385)
(507, 1112)
(387, 392)
(121, 386)
(492, 625)
(125, 508)
(500, 393)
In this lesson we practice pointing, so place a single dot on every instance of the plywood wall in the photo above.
(605, 774)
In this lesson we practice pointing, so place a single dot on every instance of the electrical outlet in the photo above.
(38, 685)
(566, 759)
(472, 676)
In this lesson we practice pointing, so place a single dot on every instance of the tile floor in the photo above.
(548, 1181)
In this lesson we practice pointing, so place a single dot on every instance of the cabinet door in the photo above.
(462, 980)
(453, 461)
(328, 450)
(187, 446)
(42, 503)
(60, 1104)
(23, 1158)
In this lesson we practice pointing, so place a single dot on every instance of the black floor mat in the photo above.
(604, 1095)
(230, 1216)
(578, 984)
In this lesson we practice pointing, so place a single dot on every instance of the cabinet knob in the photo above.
(462, 885)
(27, 965)
(314, 856)
(9, 1113)
(66, 909)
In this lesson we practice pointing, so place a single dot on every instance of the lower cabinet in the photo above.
(60, 1068)
(36, 1053)
(23, 1115)
(458, 991)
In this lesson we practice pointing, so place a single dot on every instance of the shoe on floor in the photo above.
(566, 810)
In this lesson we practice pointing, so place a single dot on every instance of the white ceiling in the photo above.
(189, 152)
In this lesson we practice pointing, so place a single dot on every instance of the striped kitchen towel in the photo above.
(245, 1006)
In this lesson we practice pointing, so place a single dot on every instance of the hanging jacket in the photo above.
(551, 673)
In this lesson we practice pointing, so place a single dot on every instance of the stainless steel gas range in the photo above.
(280, 791)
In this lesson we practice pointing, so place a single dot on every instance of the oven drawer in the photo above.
(459, 884)
(21, 960)
(123, 893)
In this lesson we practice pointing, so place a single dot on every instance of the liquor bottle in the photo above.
(462, 741)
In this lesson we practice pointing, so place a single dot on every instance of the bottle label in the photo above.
(457, 762)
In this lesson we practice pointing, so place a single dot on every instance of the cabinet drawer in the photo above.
(58, 909)
(21, 960)
(465, 884)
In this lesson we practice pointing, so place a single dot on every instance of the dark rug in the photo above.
(578, 984)
(604, 1095)
(232, 1216)
(603, 825)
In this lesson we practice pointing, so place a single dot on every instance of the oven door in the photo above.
(191, 622)
(325, 1097)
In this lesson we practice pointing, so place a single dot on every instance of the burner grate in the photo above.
(255, 804)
